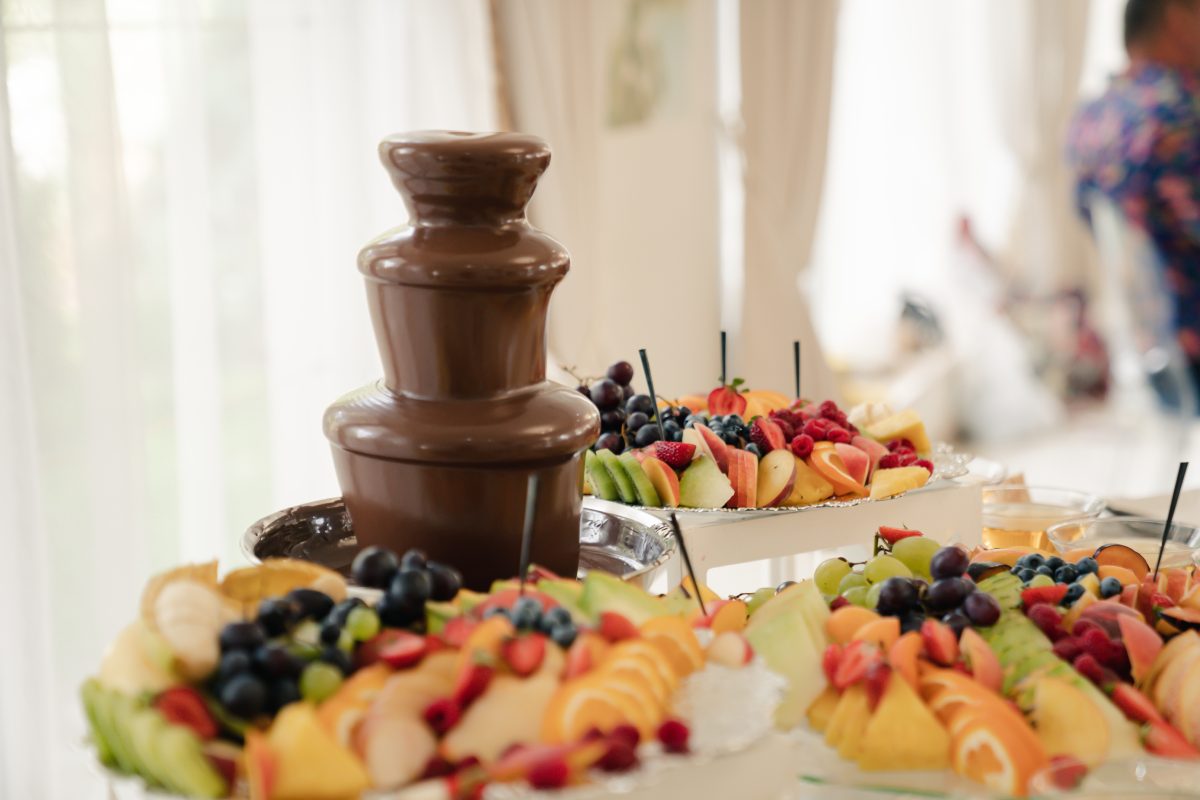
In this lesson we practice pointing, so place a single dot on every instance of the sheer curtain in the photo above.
(183, 188)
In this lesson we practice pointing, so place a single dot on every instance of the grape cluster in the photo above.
(1036, 570)
(917, 579)
(527, 614)
(408, 583)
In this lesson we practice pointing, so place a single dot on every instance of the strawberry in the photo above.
(676, 454)
(878, 675)
(941, 645)
(472, 681)
(1066, 772)
(614, 627)
(767, 435)
(856, 659)
(456, 631)
(893, 535)
(402, 649)
(1161, 739)
(442, 715)
(830, 660)
(183, 705)
(1043, 594)
(726, 400)
(524, 654)
(1134, 704)
(437, 767)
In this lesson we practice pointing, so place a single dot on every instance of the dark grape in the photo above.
(911, 621)
(374, 567)
(244, 696)
(949, 562)
(671, 426)
(981, 608)
(640, 402)
(525, 613)
(411, 586)
(235, 662)
(343, 609)
(957, 621)
(584, 390)
(945, 594)
(311, 603)
(606, 394)
(620, 372)
(331, 632)
(395, 613)
(683, 412)
(282, 692)
(241, 636)
(611, 441)
(896, 596)
(276, 661)
(276, 615)
(647, 435)
(636, 420)
(612, 420)
(339, 658)
(413, 559)
(626, 392)
(445, 581)
(675, 436)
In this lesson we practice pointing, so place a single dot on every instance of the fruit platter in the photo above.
(737, 451)
(280, 681)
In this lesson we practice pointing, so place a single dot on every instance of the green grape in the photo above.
(319, 681)
(830, 573)
(307, 633)
(880, 568)
(851, 580)
(758, 598)
(1041, 580)
(857, 595)
(916, 552)
(873, 595)
(362, 622)
(345, 641)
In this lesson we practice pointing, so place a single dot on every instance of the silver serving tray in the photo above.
(626, 542)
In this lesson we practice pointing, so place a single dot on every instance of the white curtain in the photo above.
(787, 57)
(183, 188)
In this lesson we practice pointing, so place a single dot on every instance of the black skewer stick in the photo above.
(1183, 465)
(687, 562)
(796, 365)
(662, 434)
(531, 493)
(722, 358)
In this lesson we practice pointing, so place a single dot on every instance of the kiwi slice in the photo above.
(620, 477)
(191, 773)
(646, 493)
(93, 696)
(144, 728)
(602, 483)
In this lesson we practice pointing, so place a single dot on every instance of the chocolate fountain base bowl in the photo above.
(468, 515)
(631, 544)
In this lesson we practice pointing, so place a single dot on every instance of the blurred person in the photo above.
(1139, 145)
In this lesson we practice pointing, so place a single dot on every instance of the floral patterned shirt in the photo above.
(1139, 144)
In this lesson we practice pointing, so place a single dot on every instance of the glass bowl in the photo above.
(1143, 534)
(1141, 779)
(1018, 516)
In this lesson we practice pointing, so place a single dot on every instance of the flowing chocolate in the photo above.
(438, 455)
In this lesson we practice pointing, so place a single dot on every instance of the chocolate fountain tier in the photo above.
(439, 455)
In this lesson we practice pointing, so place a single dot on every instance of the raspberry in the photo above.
(789, 430)
(906, 459)
(627, 734)
(890, 461)
(816, 428)
(619, 757)
(827, 408)
(674, 736)
(802, 446)
(924, 462)
(437, 767)
(1087, 666)
(894, 443)
(1067, 648)
(1109, 653)
(1046, 618)
(552, 773)
(839, 435)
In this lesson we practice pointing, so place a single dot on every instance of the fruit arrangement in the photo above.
(933, 658)
(791, 457)
(274, 684)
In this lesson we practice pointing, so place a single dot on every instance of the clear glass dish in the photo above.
(1019, 516)
(1143, 534)
(1142, 779)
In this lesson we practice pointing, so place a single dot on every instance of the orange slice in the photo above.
(641, 668)
(643, 711)
(675, 638)
(586, 703)
(486, 638)
(988, 754)
(652, 656)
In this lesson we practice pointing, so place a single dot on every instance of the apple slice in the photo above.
(743, 475)
(719, 450)
(858, 463)
(872, 448)
(703, 485)
(829, 464)
(776, 476)
(664, 480)
(694, 437)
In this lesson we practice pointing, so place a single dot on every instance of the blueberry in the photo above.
(1044, 570)
(1034, 560)
(241, 636)
(1074, 592)
(753, 448)
(1086, 565)
(445, 581)
(563, 635)
(554, 617)
(1066, 574)
(525, 613)
(1026, 575)
(311, 603)
(276, 615)
(1054, 562)
(1110, 587)
(496, 611)
(734, 419)
(244, 696)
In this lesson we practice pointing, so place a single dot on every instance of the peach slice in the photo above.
(664, 480)
(903, 656)
(981, 660)
(718, 448)
(829, 464)
(842, 624)
(884, 632)
(724, 615)
(857, 462)
(1141, 643)
(743, 476)
(1122, 574)
(1122, 556)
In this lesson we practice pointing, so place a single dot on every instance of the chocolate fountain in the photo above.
(439, 454)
